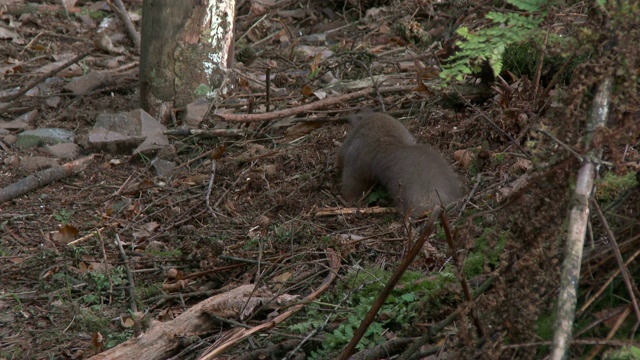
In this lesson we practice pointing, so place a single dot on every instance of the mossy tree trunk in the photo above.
(185, 52)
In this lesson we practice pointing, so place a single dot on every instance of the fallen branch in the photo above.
(240, 334)
(118, 7)
(391, 284)
(163, 339)
(332, 211)
(578, 219)
(42, 178)
(206, 132)
(311, 106)
(9, 99)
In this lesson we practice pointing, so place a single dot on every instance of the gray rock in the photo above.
(53, 101)
(36, 163)
(62, 151)
(123, 132)
(44, 136)
(111, 141)
(161, 167)
(21, 122)
(122, 123)
(196, 112)
(89, 82)
(10, 139)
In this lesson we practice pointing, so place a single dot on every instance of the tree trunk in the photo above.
(185, 52)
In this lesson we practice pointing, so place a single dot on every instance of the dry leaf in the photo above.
(521, 165)
(422, 88)
(464, 157)
(97, 340)
(307, 91)
(218, 152)
(301, 129)
(176, 286)
(16, 259)
(127, 322)
(174, 274)
(65, 234)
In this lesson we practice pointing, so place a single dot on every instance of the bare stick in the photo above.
(42, 178)
(393, 281)
(268, 89)
(351, 211)
(118, 7)
(578, 218)
(311, 106)
(132, 284)
(457, 261)
(206, 132)
(42, 78)
(207, 197)
(334, 264)
(628, 281)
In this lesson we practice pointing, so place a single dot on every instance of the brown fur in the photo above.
(380, 149)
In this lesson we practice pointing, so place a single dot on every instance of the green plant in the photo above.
(624, 353)
(402, 308)
(63, 215)
(612, 185)
(376, 194)
(489, 44)
(114, 339)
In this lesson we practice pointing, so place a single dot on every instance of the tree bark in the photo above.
(185, 52)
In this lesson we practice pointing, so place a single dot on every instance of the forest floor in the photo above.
(266, 190)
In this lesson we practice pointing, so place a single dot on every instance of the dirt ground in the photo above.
(264, 191)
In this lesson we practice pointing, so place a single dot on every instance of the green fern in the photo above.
(489, 44)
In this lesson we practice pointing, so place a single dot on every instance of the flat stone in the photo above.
(196, 112)
(111, 141)
(44, 136)
(10, 139)
(122, 123)
(21, 122)
(153, 131)
(91, 81)
(53, 101)
(162, 167)
(62, 151)
(36, 163)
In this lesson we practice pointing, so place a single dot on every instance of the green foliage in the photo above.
(102, 283)
(399, 311)
(114, 339)
(489, 44)
(91, 321)
(521, 58)
(499, 158)
(63, 215)
(611, 185)
(203, 90)
(625, 353)
(376, 194)
(545, 326)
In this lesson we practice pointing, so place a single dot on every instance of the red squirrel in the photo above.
(380, 149)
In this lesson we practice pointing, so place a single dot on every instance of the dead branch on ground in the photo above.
(42, 178)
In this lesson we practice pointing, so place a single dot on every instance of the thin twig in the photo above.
(9, 99)
(132, 285)
(616, 251)
(118, 7)
(393, 281)
(207, 196)
(311, 106)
